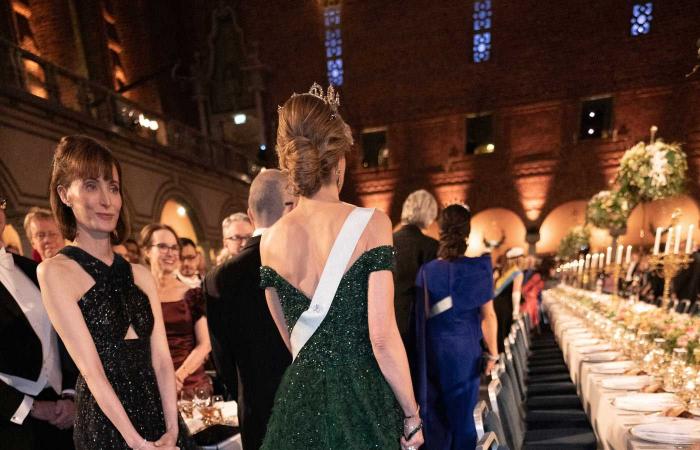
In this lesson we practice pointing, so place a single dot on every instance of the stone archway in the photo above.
(496, 225)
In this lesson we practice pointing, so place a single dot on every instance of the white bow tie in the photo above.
(6, 260)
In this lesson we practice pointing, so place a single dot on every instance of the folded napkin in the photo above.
(677, 411)
(652, 388)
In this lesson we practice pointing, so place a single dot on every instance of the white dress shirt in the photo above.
(259, 231)
(28, 297)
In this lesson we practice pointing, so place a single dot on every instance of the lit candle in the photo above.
(628, 255)
(580, 265)
(618, 255)
(657, 241)
(594, 261)
(669, 236)
(608, 257)
(588, 261)
(601, 260)
(689, 242)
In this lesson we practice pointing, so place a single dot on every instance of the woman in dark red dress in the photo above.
(183, 308)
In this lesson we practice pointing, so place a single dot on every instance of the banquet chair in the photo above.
(231, 443)
(683, 306)
(518, 436)
(486, 422)
(488, 442)
(672, 304)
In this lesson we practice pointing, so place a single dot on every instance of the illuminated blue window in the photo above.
(334, 45)
(641, 18)
(481, 44)
(482, 47)
(482, 15)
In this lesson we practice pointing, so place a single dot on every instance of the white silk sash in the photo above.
(333, 272)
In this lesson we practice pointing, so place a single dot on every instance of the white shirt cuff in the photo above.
(70, 392)
(23, 411)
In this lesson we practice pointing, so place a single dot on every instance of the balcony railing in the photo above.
(31, 74)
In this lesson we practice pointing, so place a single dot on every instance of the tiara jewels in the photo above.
(330, 98)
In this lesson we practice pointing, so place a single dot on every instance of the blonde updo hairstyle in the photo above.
(311, 140)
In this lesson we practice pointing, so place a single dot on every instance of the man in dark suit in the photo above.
(37, 378)
(413, 249)
(249, 353)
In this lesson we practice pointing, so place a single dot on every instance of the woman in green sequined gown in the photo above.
(349, 386)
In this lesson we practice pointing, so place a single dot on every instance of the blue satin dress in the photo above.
(449, 352)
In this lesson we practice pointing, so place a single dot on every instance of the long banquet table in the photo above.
(610, 424)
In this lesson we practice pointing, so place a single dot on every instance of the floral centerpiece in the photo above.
(652, 172)
(571, 244)
(679, 330)
(609, 210)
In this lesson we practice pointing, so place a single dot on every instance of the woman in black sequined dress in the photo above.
(106, 310)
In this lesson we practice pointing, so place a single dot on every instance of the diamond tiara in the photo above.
(330, 98)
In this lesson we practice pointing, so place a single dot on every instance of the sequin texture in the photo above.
(109, 307)
(334, 396)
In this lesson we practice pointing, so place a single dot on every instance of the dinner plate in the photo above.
(680, 432)
(601, 357)
(644, 402)
(595, 348)
(612, 368)
(627, 382)
(585, 342)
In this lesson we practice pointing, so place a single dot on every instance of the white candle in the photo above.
(580, 265)
(588, 261)
(601, 260)
(628, 255)
(677, 244)
(689, 241)
(618, 255)
(608, 257)
(657, 241)
(669, 236)
(594, 261)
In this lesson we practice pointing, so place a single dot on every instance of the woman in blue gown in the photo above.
(453, 305)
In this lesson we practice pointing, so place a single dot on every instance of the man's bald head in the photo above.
(268, 197)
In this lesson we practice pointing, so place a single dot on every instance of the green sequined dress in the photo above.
(333, 396)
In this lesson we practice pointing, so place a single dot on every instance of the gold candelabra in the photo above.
(668, 265)
(615, 269)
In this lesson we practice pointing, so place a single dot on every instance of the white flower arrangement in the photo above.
(652, 172)
(609, 210)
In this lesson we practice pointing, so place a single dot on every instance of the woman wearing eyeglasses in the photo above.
(183, 308)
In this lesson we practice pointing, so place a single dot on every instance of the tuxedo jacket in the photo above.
(413, 249)
(248, 351)
(20, 348)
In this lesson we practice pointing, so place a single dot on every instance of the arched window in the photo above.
(177, 216)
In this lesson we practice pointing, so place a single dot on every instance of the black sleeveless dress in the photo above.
(112, 304)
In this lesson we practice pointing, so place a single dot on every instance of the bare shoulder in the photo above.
(143, 277)
(379, 231)
(57, 268)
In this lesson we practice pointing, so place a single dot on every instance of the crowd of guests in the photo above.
(328, 330)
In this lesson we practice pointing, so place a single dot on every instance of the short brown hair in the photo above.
(36, 213)
(311, 139)
(79, 157)
(147, 235)
(455, 225)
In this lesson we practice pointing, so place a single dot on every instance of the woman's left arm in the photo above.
(517, 294)
(489, 329)
(160, 356)
(199, 353)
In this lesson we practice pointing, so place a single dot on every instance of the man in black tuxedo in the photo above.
(413, 249)
(248, 351)
(37, 378)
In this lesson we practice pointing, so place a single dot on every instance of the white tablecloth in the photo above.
(610, 424)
